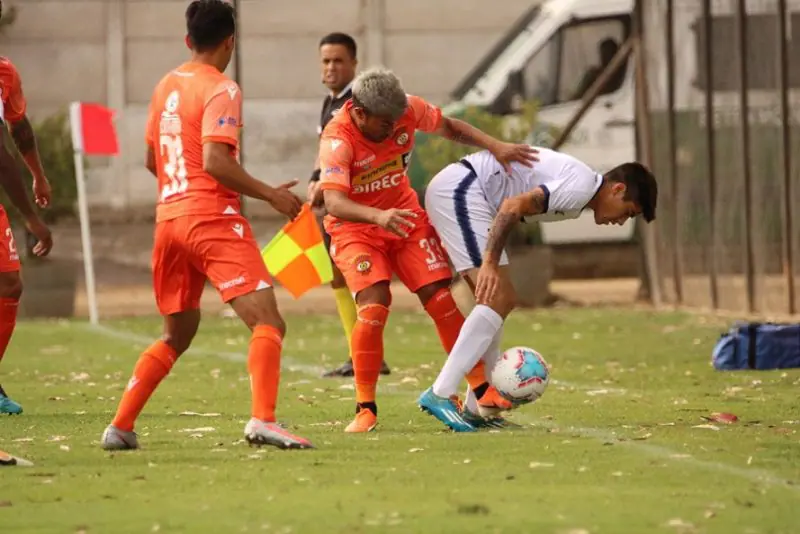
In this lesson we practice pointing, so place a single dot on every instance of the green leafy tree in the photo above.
(55, 149)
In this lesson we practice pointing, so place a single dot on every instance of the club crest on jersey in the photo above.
(402, 139)
(362, 263)
(171, 105)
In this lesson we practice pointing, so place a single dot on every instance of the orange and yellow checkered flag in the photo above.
(297, 257)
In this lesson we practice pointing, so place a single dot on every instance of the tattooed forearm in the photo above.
(24, 138)
(498, 235)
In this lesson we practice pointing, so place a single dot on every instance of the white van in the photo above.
(552, 55)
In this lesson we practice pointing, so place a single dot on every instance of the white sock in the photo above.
(491, 356)
(476, 336)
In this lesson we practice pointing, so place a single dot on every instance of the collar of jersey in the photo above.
(344, 91)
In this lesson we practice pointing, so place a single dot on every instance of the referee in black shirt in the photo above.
(338, 61)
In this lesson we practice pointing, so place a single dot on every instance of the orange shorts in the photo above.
(368, 257)
(9, 256)
(192, 249)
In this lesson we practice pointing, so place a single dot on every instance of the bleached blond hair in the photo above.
(380, 92)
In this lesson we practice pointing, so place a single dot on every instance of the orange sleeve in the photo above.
(16, 106)
(428, 116)
(222, 115)
(335, 158)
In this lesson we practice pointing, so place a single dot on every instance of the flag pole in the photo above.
(83, 212)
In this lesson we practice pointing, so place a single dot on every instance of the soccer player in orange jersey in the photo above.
(378, 228)
(192, 139)
(13, 114)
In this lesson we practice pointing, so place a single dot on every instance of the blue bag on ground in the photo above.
(758, 346)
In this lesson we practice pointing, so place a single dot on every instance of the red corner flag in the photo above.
(93, 131)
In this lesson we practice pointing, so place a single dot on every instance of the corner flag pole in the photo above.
(83, 210)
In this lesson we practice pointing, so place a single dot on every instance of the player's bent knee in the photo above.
(10, 285)
(426, 293)
(180, 329)
(259, 308)
(375, 294)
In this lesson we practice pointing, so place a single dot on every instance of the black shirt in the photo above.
(330, 106)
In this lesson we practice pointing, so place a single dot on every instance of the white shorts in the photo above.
(458, 209)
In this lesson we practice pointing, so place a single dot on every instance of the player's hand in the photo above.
(41, 192)
(314, 194)
(44, 240)
(285, 201)
(507, 153)
(397, 221)
(487, 283)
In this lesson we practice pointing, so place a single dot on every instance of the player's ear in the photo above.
(188, 42)
(619, 189)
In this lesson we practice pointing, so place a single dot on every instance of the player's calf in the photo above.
(10, 293)
(373, 311)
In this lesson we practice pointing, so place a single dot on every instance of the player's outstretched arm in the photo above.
(25, 139)
(219, 162)
(505, 153)
(14, 186)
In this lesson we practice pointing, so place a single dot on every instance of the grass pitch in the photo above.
(617, 444)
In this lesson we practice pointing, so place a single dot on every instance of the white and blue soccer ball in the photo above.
(520, 375)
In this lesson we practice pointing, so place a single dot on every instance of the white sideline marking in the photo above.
(752, 474)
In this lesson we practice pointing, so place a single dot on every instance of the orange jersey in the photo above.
(192, 105)
(13, 104)
(373, 174)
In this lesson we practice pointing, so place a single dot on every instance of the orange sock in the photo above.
(264, 366)
(449, 320)
(367, 350)
(153, 365)
(8, 320)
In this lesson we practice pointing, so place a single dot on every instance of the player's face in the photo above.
(338, 67)
(376, 128)
(613, 208)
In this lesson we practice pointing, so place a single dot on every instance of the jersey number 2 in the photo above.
(175, 166)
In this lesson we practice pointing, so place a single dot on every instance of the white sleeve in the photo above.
(572, 189)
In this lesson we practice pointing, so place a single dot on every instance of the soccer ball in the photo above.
(520, 375)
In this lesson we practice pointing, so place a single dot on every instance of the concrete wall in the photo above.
(114, 51)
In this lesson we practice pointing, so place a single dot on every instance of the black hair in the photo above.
(640, 186)
(209, 23)
(338, 38)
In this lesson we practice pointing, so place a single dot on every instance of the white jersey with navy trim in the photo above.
(463, 199)
(568, 183)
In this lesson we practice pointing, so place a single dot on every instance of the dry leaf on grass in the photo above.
(709, 427)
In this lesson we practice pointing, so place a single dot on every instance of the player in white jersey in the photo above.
(474, 204)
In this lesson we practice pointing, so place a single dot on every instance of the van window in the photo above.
(586, 48)
(539, 75)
